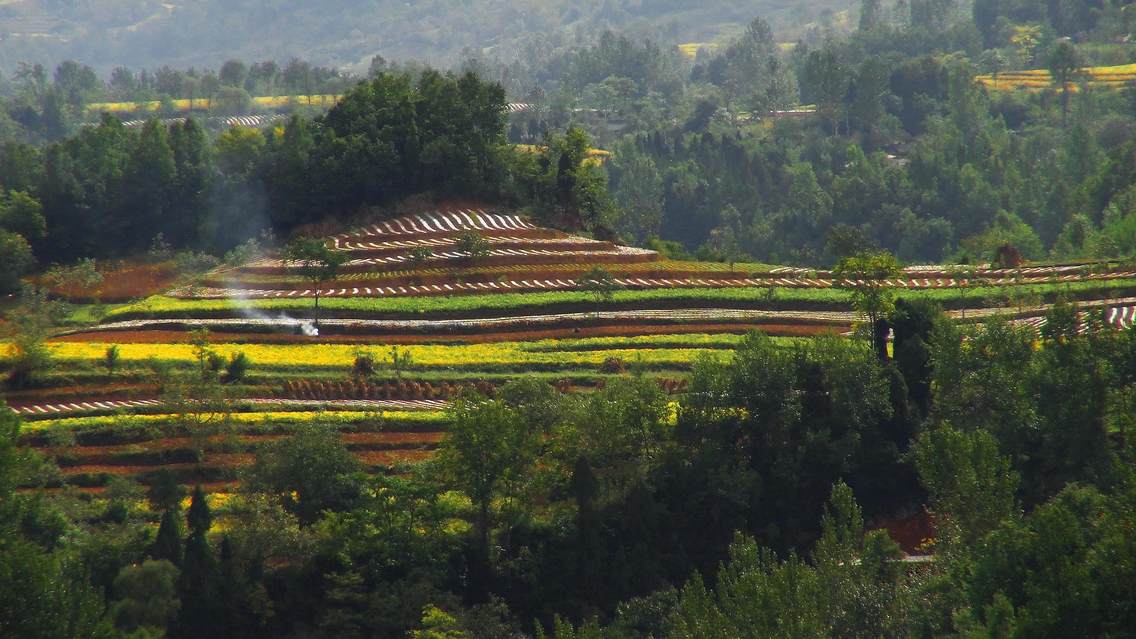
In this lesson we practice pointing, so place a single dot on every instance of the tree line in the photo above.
(110, 191)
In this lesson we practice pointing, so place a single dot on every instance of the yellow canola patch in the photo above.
(1037, 79)
(343, 355)
(202, 104)
(241, 418)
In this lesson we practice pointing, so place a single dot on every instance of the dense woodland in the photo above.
(750, 505)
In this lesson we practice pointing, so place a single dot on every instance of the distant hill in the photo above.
(347, 33)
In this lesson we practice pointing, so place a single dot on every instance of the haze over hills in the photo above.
(347, 33)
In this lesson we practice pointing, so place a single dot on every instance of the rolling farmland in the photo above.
(441, 302)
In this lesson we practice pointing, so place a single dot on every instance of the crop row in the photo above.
(242, 422)
(165, 306)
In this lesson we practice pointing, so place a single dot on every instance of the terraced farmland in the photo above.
(441, 302)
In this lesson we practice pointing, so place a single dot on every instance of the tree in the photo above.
(21, 213)
(639, 193)
(233, 73)
(827, 80)
(487, 450)
(16, 260)
(200, 614)
(167, 544)
(865, 274)
(309, 472)
(1064, 64)
(29, 326)
(146, 596)
(869, 14)
(316, 262)
(600, 284)
(971, 486)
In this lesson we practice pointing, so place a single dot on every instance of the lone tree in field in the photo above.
(315, 262)
(600, 284)
(1064, 65)
(865, 274)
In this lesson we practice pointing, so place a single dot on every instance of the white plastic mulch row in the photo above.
(444, 222)
(497, 323)
(572, 284)
(1120, 317)
(435, 242)
(55, 410)
(403, 258)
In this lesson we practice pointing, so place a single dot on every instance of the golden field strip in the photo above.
(204, 104)
(544, 353)
(1038, 79)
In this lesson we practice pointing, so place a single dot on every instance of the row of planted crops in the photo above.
(430, 306)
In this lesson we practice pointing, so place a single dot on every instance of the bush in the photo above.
(364, 366)
(215, 361)
(237, 368)
(473, 243)
(613, 365)
(111, 359)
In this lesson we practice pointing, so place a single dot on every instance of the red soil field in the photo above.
(124, 282)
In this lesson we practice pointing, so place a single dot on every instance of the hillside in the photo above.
(433, 317)
(349, 32)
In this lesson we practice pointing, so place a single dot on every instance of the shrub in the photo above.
(400, 361)
(473, 243)
(238, 367)
(215, 361)
(111, 359)
(364, 366)
(419, 256)
(613, 365)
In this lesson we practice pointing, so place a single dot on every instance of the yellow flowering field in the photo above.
(1036, 79)
(427, 355)
(202, 104)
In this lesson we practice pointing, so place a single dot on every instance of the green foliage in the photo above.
(29, 325)
(237, 368)
(862, 273)
(145, 596)
(971, 486)
(600, 284)
(16, 260)
(486, 455)
(316, 262)
(309, 472)
(400, 360)
(22, 214)
(473, 244)
(111, 359)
